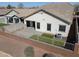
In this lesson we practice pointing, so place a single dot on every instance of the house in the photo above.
(8, 16)
(55, 20)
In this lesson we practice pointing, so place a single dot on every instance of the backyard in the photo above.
(31, 33)
(48, 38)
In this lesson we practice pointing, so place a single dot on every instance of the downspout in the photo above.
(77, 34)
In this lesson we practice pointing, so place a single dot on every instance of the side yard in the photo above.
(31, 33)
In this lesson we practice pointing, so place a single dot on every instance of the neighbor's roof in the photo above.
(6, 11)
(25, 12)
(20, 12)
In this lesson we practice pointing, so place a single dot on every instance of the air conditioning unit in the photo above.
(58, 36)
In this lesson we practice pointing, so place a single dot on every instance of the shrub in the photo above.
(45, 39)
(34, 37)
(48, 40)
(47, 35)
(29, 51)
(58, 43)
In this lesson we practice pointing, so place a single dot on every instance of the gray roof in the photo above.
(25, 12)
(63, 10)
(4, 11)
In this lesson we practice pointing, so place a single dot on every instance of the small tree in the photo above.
(29, 51)
(20, 5)
(9, 6)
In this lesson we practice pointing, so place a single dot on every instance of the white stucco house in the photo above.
(55, 20)
(8, 16)
(42, 21)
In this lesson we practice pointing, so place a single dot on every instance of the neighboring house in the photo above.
(55, 20)
(8, 16)
(12, 16)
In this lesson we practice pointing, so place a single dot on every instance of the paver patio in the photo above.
(14, 46)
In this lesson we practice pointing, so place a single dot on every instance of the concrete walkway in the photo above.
(3, 54)
(13, 27)
(21, 30)
(26, 32)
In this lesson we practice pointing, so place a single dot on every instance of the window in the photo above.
(62, 28)
(22, 20)
(16, 20)
(10, 20)
(49, 27)
(38, 25)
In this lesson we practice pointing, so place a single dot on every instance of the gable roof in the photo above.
(11, 11)
(15, 16)
(63, 10)
(50, 15)
(6, 11)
